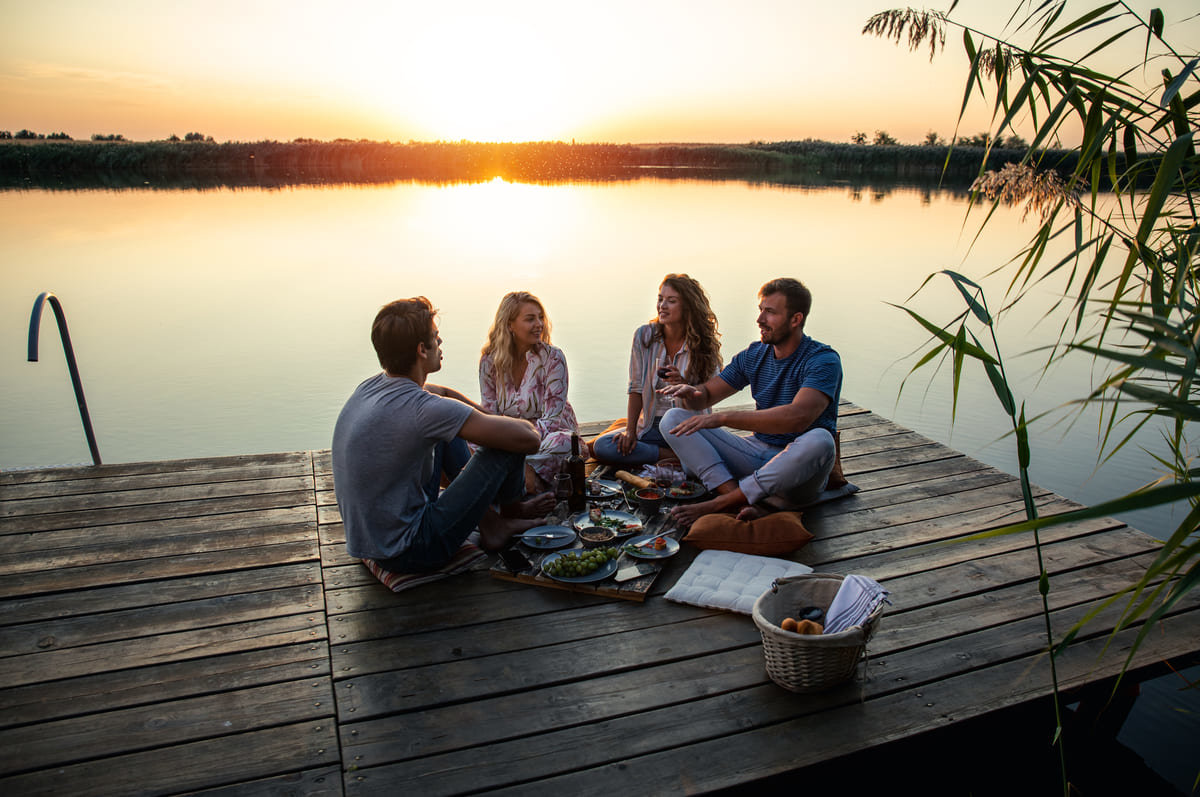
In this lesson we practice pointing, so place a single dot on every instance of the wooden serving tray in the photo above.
(636, 589)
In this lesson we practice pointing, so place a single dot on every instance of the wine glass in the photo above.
(562, 487)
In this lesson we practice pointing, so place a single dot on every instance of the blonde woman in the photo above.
(680, 345)
(523, 376)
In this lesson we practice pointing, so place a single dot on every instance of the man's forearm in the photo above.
(449, 392)
(776, 420)
(501, 432)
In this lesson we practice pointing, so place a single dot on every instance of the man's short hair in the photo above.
(399, 326)
(798, 297)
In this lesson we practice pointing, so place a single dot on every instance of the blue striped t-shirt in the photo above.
(774, 383)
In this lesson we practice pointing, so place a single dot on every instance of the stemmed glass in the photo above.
(562, 490)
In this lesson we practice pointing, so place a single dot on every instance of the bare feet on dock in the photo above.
(537, 506)
(687, 514)
(752, 513)
(496, 532)
(729, 500)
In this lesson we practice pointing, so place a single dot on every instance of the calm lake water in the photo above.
(229, 321)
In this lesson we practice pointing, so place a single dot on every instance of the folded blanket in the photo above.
(855, 600)
(466, 556)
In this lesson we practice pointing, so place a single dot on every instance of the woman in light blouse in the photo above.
(521, 375)
(681, 344)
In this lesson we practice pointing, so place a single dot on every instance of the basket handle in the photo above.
(788, 580)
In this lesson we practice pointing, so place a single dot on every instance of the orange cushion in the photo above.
(772, 535)
(592, 462)
(836, 478)
(619, 423)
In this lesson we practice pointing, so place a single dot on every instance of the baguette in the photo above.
(636, 481)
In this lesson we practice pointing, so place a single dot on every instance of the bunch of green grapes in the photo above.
(579, 563)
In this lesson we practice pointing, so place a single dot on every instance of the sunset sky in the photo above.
(615, 71)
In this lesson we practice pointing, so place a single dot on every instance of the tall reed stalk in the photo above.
(958, 347)
(1132, 295)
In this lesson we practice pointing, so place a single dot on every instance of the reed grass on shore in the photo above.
(132, 163)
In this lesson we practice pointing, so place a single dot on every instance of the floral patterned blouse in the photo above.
(541, 398)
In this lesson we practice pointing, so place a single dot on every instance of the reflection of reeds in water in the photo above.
(203, 164)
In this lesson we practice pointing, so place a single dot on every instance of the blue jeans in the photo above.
(645, 450)
(449, 458)
(796, 473)
(477, 481)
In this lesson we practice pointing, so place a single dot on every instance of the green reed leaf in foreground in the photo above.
(949, 339)
(1138, 318)
(1142, 499)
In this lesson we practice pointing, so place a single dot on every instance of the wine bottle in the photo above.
(578, 500)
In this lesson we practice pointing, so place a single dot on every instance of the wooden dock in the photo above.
(196, 626)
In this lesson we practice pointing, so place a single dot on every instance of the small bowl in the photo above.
(650, 499)
(597, 535)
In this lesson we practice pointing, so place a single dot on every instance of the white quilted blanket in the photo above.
(729, 580)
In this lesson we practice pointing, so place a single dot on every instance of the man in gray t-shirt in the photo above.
(398, 435)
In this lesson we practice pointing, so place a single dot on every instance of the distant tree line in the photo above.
(111, 157)
(29, 135)
(932, 139)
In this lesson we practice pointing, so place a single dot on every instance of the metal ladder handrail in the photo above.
(35, 322)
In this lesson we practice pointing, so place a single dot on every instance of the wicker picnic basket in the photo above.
(808, 662)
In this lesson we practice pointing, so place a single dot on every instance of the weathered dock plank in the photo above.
(197, 627)
(162, 629)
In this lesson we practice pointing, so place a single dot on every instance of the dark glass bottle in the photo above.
(578, 500)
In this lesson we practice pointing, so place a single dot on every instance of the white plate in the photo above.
(582, 519)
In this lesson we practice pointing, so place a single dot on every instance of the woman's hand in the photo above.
(670, 374)
(627, 440)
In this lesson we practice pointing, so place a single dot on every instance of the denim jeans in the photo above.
(645, 450)
(449, 458)
(488, 477)
(795, 473)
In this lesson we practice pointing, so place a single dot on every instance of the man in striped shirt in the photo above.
(796, 383)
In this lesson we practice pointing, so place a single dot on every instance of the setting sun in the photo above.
(481, 79)
(480, 76)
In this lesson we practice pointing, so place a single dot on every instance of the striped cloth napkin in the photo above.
(855, 600)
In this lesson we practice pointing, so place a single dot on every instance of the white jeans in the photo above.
(796, 473)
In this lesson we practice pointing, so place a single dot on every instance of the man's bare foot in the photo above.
(687, 514)
(752, 512)
(496, 532)
(537, 506)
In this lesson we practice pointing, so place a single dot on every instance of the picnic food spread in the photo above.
(614, 545)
